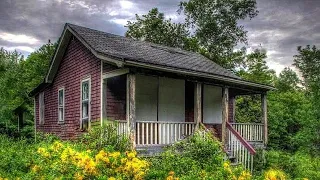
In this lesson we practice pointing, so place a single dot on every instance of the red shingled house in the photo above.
(160, 94)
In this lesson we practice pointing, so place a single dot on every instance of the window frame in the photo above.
(87, 79)
(61, 106)
(41, 107)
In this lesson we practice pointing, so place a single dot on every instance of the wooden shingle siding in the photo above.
(231, 109)
(78, 63)
(116, 98)
(189, 101)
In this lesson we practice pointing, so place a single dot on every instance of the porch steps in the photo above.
(149, 150)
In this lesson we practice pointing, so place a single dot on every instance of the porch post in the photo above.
(264, 117)
(104, 100)
(198, 104)
(225, 109)
(131, 107)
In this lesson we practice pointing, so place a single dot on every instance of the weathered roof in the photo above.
(149, 53)
(126, 51)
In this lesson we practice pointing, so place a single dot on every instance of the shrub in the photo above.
(297, 166)
(199, 157)
(67, 161)
(106, 136)
(15, 156)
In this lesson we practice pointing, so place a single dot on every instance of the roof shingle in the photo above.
(149, 53)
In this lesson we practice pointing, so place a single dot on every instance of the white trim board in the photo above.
(114, 73)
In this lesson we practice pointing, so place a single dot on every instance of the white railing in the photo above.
(159, 133)
(122, 127)
(239, 148)
(250, 131)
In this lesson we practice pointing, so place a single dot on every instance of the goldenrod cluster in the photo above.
(87, 165)
(273, 174)
(244, 175)
(171, 176)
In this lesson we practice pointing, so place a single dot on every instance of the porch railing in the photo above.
(122, 128)
(159, 133)
(250, 131)
(239, 148)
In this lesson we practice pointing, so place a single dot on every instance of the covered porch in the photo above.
(158, 110)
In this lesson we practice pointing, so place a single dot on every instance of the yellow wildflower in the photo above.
(131, 155)
(43, 152)
(274, 175)
(35, 168)
(78, 176)
(115, 154)
(111, 178)
(226, 165)
(56, 146)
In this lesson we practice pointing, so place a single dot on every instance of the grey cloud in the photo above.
(280, 27)
(283, 25)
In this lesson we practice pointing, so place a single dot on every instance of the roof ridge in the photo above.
(148, 52)
(140, 41)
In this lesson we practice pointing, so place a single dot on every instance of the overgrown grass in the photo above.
(91, 157)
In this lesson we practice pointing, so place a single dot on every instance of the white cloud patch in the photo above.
(126, 4)
(18, 38)
(20, 48)
(122, 22)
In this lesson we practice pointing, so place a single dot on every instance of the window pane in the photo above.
(85, 123)
(85, 90)
(85, 110)
(61, 97)
(60, 114)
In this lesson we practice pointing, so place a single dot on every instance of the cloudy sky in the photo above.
(280, 27)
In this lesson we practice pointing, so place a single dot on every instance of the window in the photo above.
(85, 103)
(41, 108)
(61, 105)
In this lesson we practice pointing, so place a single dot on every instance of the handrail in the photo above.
(165, 122)
(246, 123)
(240, 138)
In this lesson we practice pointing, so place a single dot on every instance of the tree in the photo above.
(153, 27)
(255, 69)
(210, 28)
(288, 80)
(308, 62)
(215, 25)
(19, 77)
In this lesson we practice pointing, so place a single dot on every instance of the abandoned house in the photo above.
(159, 94)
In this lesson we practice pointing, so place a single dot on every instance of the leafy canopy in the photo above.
(210, 28)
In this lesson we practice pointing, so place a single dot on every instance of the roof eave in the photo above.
(67, 33)
(200, 74)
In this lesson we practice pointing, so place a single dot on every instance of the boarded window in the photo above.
(41, 108)
(171, 100)
(212, 104)
(146, 98)
(61, 105)
(85, 103)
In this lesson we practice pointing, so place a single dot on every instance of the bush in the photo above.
(106, 136)
(15, 156)
(69, 161)
(199, 157)
(50, 158)
(297, 166)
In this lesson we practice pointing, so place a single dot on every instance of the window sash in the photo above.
(85, 103)
(41, 108)
(61, 100)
